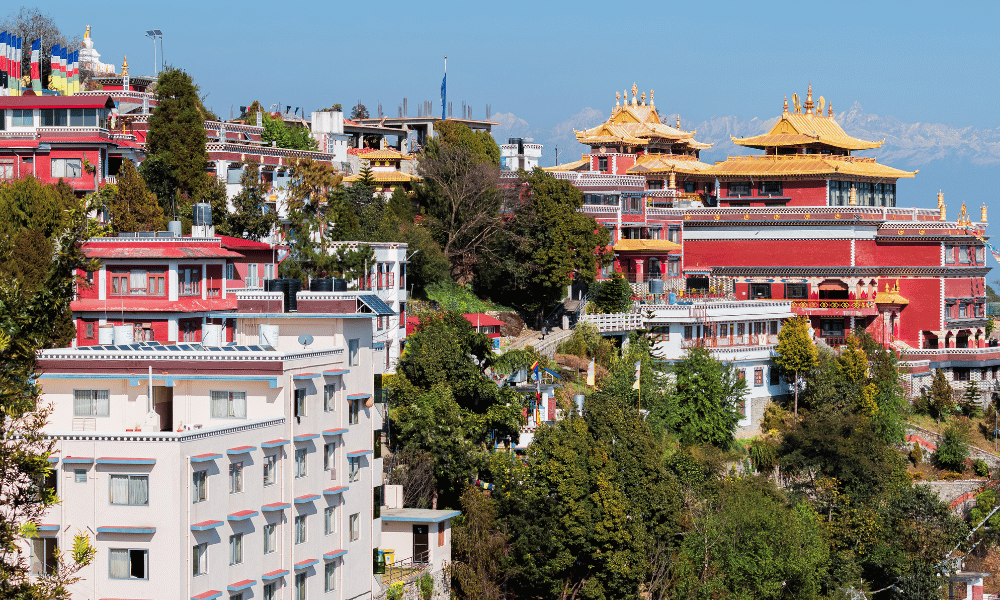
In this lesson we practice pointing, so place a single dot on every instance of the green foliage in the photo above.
(980, 468)
(481, 144)
(177, 133)
(991, 294)
(278, 132)
(702, 407)
(952, 451)
(587, 342)
(426, 586)
(251, 216)
(763, 455)
(216, 197)
(972, 400)
(365, 175)
(613, 295)
(916, 455)
(795, 352)
(428, 264)
(940, 400)
(452, 296)
(359, 112)
(481, 549)
(395, 591)
(134, 208)
(547, 245)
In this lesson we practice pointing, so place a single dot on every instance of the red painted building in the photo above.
(806, 220)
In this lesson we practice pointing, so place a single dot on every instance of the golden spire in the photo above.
(795, 103)
(940, 198)
(125, 66)
(854, 198)
(784, 110)
(822, 105)
(678, 120)
(618, 98)
(87, 34)
(642, 99)
(830, 110)
(963, 216)
(651, 99)
(673, 180)
(635, 90)
(809, 100)
(943, 209)
(983, 214)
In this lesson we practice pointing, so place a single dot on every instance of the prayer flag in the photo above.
(36, 66)
(638, 369)
(591, 373)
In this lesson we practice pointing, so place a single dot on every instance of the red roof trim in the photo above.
(57, 102)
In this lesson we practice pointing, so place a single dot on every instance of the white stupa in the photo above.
(90, 59)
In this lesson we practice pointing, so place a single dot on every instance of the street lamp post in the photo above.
(153, 34)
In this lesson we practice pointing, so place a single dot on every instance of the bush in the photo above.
(951, 476)
(451, 296)
(980, 468)
(426, 586)
(395, 591)
(613, 295)
(763, 455)
(952, 452)
(916, 454)
(917, 476)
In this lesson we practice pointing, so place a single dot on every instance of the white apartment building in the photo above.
(520, 153)
(741, 332)
(242, 470)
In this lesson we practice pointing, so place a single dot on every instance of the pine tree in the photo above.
(365, 175)
(940, 399)
(133, 207)
(703, 407)
(251, 217)
(972, 400)
(796, 352)
(177, 132)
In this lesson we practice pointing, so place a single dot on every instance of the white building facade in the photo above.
(245, 470)
(520, 154)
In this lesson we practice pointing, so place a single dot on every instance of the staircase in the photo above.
(533, 338)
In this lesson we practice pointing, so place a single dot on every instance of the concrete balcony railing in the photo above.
(731, 341)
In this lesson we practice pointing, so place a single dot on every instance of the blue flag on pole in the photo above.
(444, 93)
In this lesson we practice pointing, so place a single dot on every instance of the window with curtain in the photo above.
(270, 591)
(300, 529)
(270, 465)
(199, 559)
(91, 403)
(328, 456)
(330, 520)
(137, 282)
(270, 538)
(236, 478)
(67, 168)
(132, 490)
(355, 522)
(300, 462)
(330, 576)
(236, 549)
(354, 469)
(329, 395)
(300, 402)
(300, 586)
(353, 412)
(352, 352)
(128, 563)
(229, 405)
(199, 486)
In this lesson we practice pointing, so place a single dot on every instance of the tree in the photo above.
(795, 352)
(251, 216)
(365, 176)
(428, 264)
(546, 244)
(952, 451)
(703, 407)
(359, 112)
(29, 322)
(31, 24)
(216, 196)
(481, 549)
(613, 295)
(283, 136)
(481, 144)
(972, 400)
(460, 199)
(177, 133)
(133, 207)
(940, 400)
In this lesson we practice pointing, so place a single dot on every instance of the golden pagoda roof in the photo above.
(627, 245)
(577, 165)
(805, 164)
(385, 177)
(636, 123)
(667, 163)
(385, 154)
(890, 296)
(804, 126)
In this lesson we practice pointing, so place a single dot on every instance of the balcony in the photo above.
(732, 341)
(835, 308)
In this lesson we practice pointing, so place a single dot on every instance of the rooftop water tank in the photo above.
(202, 214)
(124, 334)
(269, 335)
(211, 335)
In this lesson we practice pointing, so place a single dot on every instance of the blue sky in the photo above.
(920, 62)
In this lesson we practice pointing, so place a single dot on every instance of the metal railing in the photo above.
(407, 569)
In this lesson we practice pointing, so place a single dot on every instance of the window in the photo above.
(832, 327)
(53, 117)
(949, 254)
(236, 549)
(230, 271)
(300, 402)
(688, 332)
(329, 456)
(981, 255)
(270, 465)
(67, 168)
(673, 268)
(22, 117)
(772, 327)
(189, 282)
(269, 591)
(43, 555)
(199, 559)
(354, 469)
(83, 117)
(199, 487)
(270, 538)
(329, 395)
(131, 490)
(602, 163)
(964, 254)
(353, 412)
(739, 188)
(774, 376)
(758, 376)
(88, 330)
(330, 577)
(236, 478)
(355, 527)
(126, 563)
(91, 403)
(377, 493)
(377, 443)
(6, 168)
(229, 405)
(962, 310)
(330, 520)
(440, 534)
(961, 373)
(236, 597)
(760, 290)
(300, 529)
(352, 352)
(80, 475)
(300, 586)
(795, 291)
(654, 184)
(770, 188)
(300, 462)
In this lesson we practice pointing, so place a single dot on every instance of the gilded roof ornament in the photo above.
(795, 103)
(125, 66)
(651, 99)
(853, 196)
(829, 112)
(635, 90)
(642, 99)
(822, 105)
(809, 100)
(678, 120)
(963, 216)
(87, 34)
(983, 213)
(940, 198)
(618, 99)
(784, 109)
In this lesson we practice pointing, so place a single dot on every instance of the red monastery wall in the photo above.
(924, 310)
(765, 253)
(963, 287)
(885, 253)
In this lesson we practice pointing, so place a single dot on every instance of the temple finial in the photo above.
(642, 99)
(87, 34)
(982, 216)
(940, 198)
(809, 100)
(678, 120)
(784, 110)
(635, 90)
(651, 99)
(618, 99)
(125, 66)
(829, 112)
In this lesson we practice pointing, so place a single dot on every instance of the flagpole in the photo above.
(444, 88)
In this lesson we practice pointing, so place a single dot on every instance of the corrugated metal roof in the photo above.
(182, 252)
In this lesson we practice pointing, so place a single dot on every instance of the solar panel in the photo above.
(228, 349)
(376, 304)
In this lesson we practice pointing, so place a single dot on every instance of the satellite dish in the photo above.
(305, 339)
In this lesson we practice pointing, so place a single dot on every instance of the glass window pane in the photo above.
(76, 117)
